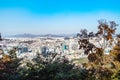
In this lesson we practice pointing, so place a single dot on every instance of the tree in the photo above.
(115, 59)
(58, 69)
(98, 61)
(12, 53)
(106, 32)
(9, 67)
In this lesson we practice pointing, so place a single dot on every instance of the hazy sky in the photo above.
(55, 16)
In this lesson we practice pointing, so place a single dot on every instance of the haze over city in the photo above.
(55, 17)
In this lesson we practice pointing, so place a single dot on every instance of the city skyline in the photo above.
(55, 17)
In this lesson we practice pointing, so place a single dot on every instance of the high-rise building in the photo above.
(23, 49)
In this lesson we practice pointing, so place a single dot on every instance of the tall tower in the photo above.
(0, 37)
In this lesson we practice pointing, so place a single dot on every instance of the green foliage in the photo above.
(9, 66)
(12, 53)
(9, 69)
(60, 69)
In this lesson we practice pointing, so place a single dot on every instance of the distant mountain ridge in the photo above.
(25, 35)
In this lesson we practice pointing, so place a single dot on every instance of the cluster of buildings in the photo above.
(30, 47)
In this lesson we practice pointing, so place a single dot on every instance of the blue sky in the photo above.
(55, 16)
